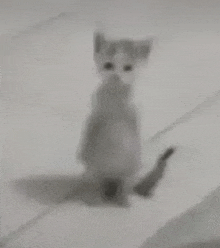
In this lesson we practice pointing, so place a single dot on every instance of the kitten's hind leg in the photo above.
(150, 181)
(93, 126)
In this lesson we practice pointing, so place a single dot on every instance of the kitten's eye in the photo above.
(128, 68)
(108, 66)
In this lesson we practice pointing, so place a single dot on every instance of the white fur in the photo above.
(111, 146)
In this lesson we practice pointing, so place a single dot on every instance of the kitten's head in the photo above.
(120, 57)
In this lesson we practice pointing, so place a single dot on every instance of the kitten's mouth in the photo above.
(115, 78)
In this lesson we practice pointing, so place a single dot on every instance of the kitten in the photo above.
(111, 146)
(121, 57)
(149, 182)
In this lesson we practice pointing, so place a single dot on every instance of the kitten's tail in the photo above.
(163, 158)
(150, 181)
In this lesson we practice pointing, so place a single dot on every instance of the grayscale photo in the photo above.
(110, 124)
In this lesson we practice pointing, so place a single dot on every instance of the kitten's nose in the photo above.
(115, 78)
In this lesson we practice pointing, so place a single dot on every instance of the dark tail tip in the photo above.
(168, 153)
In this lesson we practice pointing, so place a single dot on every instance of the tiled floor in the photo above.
(199, 227)
(48, 77)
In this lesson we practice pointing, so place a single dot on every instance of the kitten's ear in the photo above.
(143, 49)
(99, 40)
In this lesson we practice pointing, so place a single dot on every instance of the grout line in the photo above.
(26, 226)
(184, 118)
(12, 235)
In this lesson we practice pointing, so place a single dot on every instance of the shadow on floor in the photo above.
(50, 190)
(208, 244)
